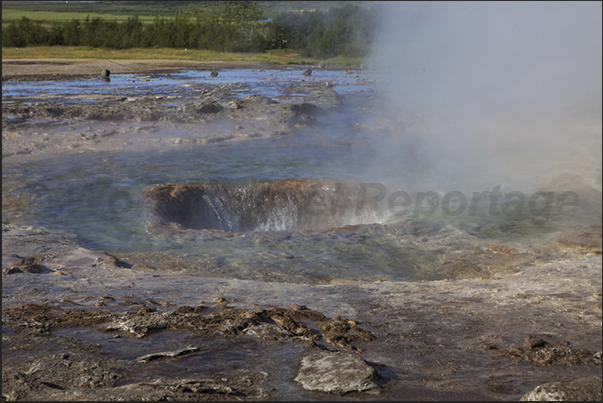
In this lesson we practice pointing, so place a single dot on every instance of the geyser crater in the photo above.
(285, 205)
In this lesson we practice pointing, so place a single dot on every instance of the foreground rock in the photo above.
(336, 373)
(584, 389)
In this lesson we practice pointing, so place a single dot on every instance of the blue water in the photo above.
(94, 197)
(270, 83)
(102, 189)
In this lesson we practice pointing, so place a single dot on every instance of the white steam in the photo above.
(492, 92)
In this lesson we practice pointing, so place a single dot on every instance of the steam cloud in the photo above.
(484, 93)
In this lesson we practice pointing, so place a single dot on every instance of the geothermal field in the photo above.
(424, 227)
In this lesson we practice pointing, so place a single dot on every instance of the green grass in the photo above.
(47, 11)
(56, 16)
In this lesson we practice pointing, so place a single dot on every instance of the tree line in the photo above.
(225, 26)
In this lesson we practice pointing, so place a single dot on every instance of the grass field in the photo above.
(85, 52)
(60, 11)
(9, 15)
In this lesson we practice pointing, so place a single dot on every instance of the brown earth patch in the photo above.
(588, 241)
(297, 323)
(487, 261)
(561, 356)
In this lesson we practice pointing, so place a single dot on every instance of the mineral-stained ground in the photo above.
(83, 324)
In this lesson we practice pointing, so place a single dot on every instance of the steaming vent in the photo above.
(287, 205)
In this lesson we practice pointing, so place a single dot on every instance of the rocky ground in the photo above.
(80, 324)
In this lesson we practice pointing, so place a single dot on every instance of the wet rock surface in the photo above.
(336, 373)
(584, 389)
(268, 324)
(79, 371)
(150, 109)
(96, 316)
(496, 307)
(80, 366)
(557, 356)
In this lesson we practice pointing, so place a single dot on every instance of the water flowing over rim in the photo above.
(288, 205)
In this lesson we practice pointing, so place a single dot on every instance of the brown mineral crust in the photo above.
(589, 240)
(338, 332)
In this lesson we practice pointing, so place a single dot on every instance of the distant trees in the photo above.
(233, 26)
(24, 33)
(347, 31)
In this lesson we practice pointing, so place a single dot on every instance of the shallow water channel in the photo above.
(270, 83)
